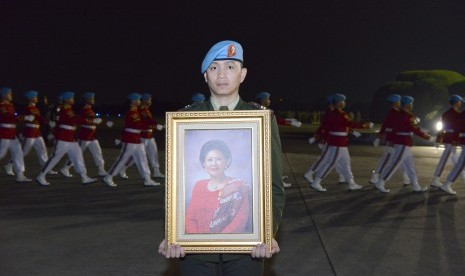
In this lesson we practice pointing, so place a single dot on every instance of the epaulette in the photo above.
(257, 105)
(187, 107)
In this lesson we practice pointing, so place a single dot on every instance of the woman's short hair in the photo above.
(215, 145)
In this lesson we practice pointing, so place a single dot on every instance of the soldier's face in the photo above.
(396, 104)
(91, 101)
(224, 77)
(8, 97)
(341, 104)
(266, 102)
(135, 102)
(408, 107)
(69, 101)
(34, 100)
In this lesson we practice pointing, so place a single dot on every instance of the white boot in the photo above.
(86, 179)
(317, 186)
(436, 183)
(342, 179)
(406, 179)
(374, 178)
(417, 188)
(101, 171)
(9, 169)
(309, 176)
(149, 182)
(446, 188)
(380, 187)
(354, 186)
(52, 172)
(41, 179)
(108, 179)
(65, 171)
(123, 174)
(157, 173)
(286, 182)
(20, 177)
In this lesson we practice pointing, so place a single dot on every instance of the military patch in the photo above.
(231, 50)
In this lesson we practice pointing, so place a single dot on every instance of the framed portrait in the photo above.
(218, 180)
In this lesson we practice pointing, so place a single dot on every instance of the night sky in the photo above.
(299, 51)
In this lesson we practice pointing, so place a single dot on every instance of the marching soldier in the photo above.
(132, 145)
(405, 127)
(449, 136)
(86, 136)
(386, 131)
(65, 142)
(8, 139)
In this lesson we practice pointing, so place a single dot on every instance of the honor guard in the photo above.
(264, 99)
(198, 98)
(406, 126)
(86, 136)
(132, 146)
(338, 126)
(449, 136)
(8, 139)
(386, 132)
(66, 143)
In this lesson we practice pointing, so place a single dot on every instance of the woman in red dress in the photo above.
(220, 204)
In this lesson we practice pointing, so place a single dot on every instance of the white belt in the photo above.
(388, 129)
(33, 125)
(147, 130)
(461, 135)
(133, 130)
(68, 127)
(405, 133)
(338, 133)
(8, 125)
(449, 131)
(89, 126)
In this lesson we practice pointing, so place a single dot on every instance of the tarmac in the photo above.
(71, 229)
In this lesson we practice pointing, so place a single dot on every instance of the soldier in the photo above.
(338, 126)
(223, 71)
(449, 136)
(86, 136)
(387, 132)
(405, 127)
(132, 146)
(198, 98)
(65, 142)
(8, 139)
(263, 98)
(32, 132)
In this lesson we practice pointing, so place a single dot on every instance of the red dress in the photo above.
(201, 218)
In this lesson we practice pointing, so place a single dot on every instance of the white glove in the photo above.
(50, 137)
(52, 124)
(371, 124)
(97, 121)
(296, 123)
(417, 120)
(29, 118)
(424, 130)
(109, 123)
(321, 146)
(432, 139)
(311, 140)
(117, 142)
(160, 127)
(356, 133)
(376, 143)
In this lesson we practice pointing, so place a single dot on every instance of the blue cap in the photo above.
(455, 98)
(339, 98)
(134, 96)
(406, 100)
(5, 90)
(146, 96)
(393, 98)
(31, 94)
(223, 50)
(67, 95)
(88, 95)
(198, 97)
(262, 95)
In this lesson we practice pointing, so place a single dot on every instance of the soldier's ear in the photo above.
(205, 77)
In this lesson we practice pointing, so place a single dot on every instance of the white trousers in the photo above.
(402, 157)
(318, 164)
(95, 151)
(137, 153)
(16, 152)
(385, 159)
(74, 153)
(39, 146)
(450, 151)
(336, 156)
(458, 167)
(152, 152)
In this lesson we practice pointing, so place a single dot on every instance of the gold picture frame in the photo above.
(240, 216)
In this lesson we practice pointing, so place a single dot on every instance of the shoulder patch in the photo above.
(257, 105)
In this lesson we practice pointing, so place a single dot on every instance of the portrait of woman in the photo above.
(220, 203)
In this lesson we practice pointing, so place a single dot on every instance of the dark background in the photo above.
(299, 51)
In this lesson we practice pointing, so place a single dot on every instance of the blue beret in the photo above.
(31, 94)
(198, 97)
(339, 98)
(406, 100)
(5, 90)
(146, 96)
(393, 98)
(223, 50)
(455, 98)
(262, 95)
(88, 95)
(67, 95)
(134, 96)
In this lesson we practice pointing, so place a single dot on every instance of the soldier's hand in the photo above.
(171, 251)
(29, 118)
(376, 143)
(432, 139)
(160, 127)
(109, 123)
(97, 121)
(261, 250)
(52, 124)
(356, 133)
(311, 140)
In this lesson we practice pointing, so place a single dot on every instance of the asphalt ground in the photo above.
(71, 229)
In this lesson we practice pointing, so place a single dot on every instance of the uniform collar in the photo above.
(231, 106)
